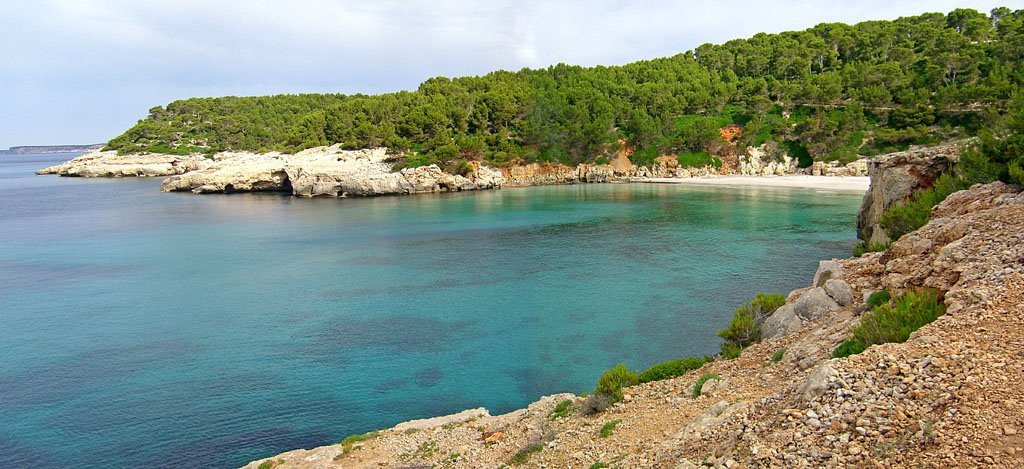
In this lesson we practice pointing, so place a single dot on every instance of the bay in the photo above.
(143, 329)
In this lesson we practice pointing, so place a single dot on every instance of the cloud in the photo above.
(83, 70)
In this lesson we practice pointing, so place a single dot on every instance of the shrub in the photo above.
(745, 327)
(599, 465)
(671, 369)
(700, 382)
(916, 212)
(699, 159)
(865, 247)
(777, 356)
(613, 380)
(561, 410)
(460, 167)
(596, 404)
(524, 454)
(601, 160)
(879, 298)
(609, 427)
(892, 322)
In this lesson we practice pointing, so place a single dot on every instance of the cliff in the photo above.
(945, 398)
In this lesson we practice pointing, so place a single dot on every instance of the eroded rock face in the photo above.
(766, 160)
(110, 164)
(894, 178)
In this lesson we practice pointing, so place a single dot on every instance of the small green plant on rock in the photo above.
(892, 321)
(879, 298)
(563, 409)
(612, 381)
(777, 356)
(745, 327)
(599, 465)
(700, 383)
(671, 369)
(349, 443)
(524, 454)
(609, 428)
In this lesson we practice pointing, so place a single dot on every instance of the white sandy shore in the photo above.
(851, 183)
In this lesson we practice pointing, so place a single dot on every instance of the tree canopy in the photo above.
(831, 92)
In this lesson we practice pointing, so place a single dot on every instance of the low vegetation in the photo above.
(671, 369)
(892, 321)
(777, 356)
(745, 327)
(524, 454)
(612, 381)
(700, 382)
(608, 428)
(865, 247)
(562, 410)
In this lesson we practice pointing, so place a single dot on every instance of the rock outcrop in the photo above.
(96, 164)
(766, 160)
(325, 172)
(895, 177)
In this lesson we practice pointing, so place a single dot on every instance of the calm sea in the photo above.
(142, 329)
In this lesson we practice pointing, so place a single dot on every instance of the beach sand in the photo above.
(851, 183)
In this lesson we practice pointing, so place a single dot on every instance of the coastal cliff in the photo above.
(944, 398)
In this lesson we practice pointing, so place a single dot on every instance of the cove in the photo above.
(143, 329)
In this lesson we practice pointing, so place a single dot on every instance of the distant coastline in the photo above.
(29, 149)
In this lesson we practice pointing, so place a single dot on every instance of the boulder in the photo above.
(814, 304)
(839, 291)
(782, 322)
(818, 380)
(827, 270)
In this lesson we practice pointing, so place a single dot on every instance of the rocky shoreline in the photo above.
(332, 172)
(945, 398)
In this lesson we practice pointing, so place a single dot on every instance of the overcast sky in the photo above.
(82, 71)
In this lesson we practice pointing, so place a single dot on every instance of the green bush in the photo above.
(609, 427)
(865, 247)
(612, 381)
(524, 454)
(562, 410)
(745, 327)
(699, 159)
(916, 212)
(892, 322)
(700, 382)
(777, 356)
(671, 369)
(879, 298)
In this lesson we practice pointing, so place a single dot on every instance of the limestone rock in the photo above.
(110, 164)
(895, 177)
(827, 270)
(434, 422)
(839, 291)
(817, 381)
(782, 322)
(814, 304)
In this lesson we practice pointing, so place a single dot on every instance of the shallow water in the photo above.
(142, 329)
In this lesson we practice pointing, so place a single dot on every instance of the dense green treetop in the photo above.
(831, 92)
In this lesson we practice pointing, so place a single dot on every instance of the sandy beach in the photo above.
(851, 184)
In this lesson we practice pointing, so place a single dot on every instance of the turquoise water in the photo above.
(142, 329)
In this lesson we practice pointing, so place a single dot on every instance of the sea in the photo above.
(145, 329)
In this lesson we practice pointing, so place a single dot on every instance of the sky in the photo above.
(83, 71)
